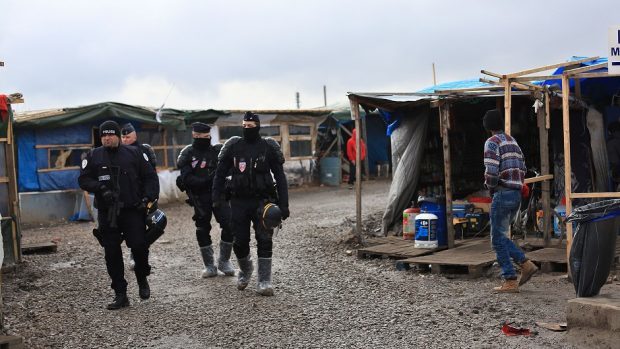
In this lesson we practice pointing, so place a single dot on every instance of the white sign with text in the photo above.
(613, 63)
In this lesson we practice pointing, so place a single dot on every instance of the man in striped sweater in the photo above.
(503, 176)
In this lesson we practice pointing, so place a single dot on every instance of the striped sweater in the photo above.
(503, 162)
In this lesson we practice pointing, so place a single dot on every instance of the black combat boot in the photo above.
(143, 288)
(120, 301)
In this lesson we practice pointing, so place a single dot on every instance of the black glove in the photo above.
(285, 213)
(143, 204)
(108, 196)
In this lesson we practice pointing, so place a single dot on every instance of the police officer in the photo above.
(197, 163)
(252, 160)
(130, 137)
(124, 184)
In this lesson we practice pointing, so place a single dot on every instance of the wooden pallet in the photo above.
(11, 342)
(549, 259)
(471, 258)
(396, 249)
(42, 247)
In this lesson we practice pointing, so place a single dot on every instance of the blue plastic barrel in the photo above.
(330, 171)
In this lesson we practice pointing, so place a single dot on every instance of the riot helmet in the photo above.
(155, 224)
(271, 216)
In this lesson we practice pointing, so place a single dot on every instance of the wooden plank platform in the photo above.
(549, 259)
(42, 247)
(395, 249)
(11, 342)
(470, 258)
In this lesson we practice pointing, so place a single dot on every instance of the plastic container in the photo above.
(426, 227)
(409, 216)
(439, 211)
(330, 171)
(561, 210)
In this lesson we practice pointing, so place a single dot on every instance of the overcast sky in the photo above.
(257, 54)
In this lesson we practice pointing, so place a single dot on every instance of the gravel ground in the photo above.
(324, 297)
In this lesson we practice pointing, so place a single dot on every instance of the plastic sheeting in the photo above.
(594, 121)
(26, 161)
(168, 190)
(594, 245)
(407, 150)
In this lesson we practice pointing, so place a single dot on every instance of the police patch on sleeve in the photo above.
(84, 163)
(145, 157)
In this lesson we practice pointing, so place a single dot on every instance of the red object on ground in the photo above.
(515, 331)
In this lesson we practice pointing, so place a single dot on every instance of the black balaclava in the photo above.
(251, 135)
(493, 121)
(110, 128)
(201, 143)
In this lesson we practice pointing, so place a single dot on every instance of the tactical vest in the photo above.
(251, 175)
(121, 166)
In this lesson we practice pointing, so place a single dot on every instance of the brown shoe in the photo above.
(527, 270)
(508, 286)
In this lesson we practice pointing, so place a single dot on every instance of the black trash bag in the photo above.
(594, 245)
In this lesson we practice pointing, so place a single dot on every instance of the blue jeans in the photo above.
(504, 209)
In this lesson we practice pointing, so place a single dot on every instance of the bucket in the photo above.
(330, 171)
(409, 216)
(426, 230)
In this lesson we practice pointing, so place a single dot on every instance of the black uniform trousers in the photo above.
(202, 215)
(244, 212)
(131, 227)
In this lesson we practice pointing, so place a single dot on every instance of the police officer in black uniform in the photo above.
(124, 184)
(252, 160)
(130, 137)
(197, 163)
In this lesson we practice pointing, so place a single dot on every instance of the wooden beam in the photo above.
(613, 194)
(547, 109)
(495, 75)
(550, 66)
(586, 68)
(46, 146)
(355, 115)
(491, 82)
(507, 106)
(444, 117)
(538, 178)
(543, 138)
(567, 163)
(527, 86)
(594, 75)
(536, 78)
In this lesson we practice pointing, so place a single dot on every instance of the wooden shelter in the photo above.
(507, 86)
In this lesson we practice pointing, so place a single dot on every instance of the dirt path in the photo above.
(324, 298)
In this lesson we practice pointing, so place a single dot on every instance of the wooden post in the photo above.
(339, 137)
(355, 114)
(507, 105)
(543, 137)
(444, 124)
(567, 163)
(13, 191)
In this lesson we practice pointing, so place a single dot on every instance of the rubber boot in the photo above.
(132, 262)
(245, 272)
(264, 277)
(144, 290)
(207, 256)
(223, 260)
(120, 301)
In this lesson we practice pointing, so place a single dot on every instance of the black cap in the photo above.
(127, 129)
(109, 128)
(493, 120)
(201, 127)
(249, 116)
